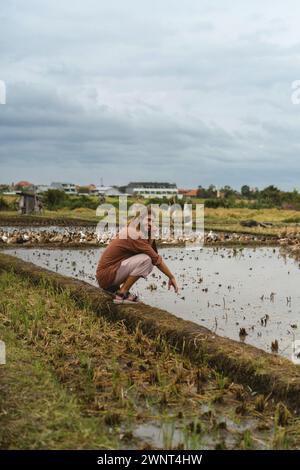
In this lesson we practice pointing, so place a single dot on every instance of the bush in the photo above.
(4, 205)
(82, 202)
(215, 203)
(166, 200)
(54, 199)
(292, 220)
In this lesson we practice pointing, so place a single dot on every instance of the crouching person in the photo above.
(127, 258)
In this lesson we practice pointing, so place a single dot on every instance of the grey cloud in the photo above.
(186, 91)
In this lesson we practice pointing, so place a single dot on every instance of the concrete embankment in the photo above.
(246, 364)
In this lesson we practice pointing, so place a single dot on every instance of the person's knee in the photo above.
(145, 265)
(146, 260)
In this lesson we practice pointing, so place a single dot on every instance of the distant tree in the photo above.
(210, 192)
(227, 191)
(271, 195)
(4, 187)
(201, 192)
(54, 198)
(245, 191)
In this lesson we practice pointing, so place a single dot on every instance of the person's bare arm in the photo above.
(143, 246)
(164, 269)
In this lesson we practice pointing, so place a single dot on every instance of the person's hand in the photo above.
(173, 283)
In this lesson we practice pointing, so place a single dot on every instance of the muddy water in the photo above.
(223, 289)
(168, 434)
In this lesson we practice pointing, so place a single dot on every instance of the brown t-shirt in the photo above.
(117, 251)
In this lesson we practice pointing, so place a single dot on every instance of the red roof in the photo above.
(23, 184)
(192, 193)
(188, 192)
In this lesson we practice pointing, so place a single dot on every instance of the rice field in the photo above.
(75, 381)
(246, 294)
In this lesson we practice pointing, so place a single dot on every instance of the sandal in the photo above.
(126, 298)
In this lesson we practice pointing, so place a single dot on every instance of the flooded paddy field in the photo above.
(247, 294)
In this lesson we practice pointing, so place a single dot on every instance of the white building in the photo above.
(42, 188)
(68, 188)
(107, 191)
(153, 190)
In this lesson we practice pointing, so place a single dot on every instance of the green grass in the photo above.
(292, 220)
(74, 380)
(36, 411)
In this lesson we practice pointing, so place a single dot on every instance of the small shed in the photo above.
(30, 203)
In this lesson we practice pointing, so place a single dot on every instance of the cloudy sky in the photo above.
(195, 92)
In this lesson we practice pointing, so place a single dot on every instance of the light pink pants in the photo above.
(137, 265)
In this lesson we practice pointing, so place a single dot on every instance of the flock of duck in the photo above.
(86, 236)
(67, 236)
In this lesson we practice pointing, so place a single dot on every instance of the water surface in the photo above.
(224, 289)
